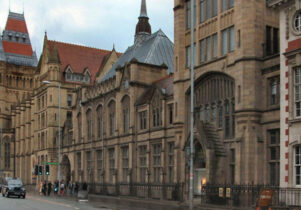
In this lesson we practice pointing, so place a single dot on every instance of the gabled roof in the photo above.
(156, 49)
(79, 58)
(164, 85)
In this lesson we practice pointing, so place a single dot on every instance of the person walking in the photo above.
(49, 188)
(62, 188)
(44, 189)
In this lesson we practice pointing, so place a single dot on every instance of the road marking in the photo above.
(50, 202)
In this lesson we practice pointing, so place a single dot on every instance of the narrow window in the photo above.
(202, 51)
(125, 163)
(214, 45)
(202, 10)
(297, 165)
(69, 100)
(232, 165)
(156, 162)
(298, 91)
(111, 164)
(224, 42)
(142, 163)
(171, 161)
(274, 155)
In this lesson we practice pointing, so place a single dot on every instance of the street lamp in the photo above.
(59, 118)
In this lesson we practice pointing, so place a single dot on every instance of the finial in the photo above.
(143, 11)
(9, 6)
(113, 47)
(23, 7)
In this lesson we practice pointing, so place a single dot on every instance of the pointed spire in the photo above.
(143, 11)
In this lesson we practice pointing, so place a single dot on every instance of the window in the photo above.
(125, 163)
(142, 163)
(272, 41)
(89, 161)
(170, 113)
(298, 91)
(79, 125)
(220, 115)
(156, 162)
(99, 163)
(213, 113)
(208, 48)
(111, 164)
(156, 116)
(7, 155)
(126, 120)
(188, 14)
(188, 56)
(99, 122)
(297, 21)
(79, 163)
(89, 124)
(227, 4)
(142, 116)
(208, 9)
(298, 165)
(232, 165)
(207, 114)
(274, 155)
(112, 117)
(69, 100)
(227, 119)
(228, 40)
(171, 146)
(274, 90)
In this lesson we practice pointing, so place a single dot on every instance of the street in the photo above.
(43, 203)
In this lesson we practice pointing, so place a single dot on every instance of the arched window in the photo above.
(126, 114)
(89, 124)
(156, 112)
(216, 102)
(79, 127)
(100, 124)
(112, 120)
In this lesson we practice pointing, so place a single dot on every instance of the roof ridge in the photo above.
(82, 46)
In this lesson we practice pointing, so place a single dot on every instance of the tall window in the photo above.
(188, 14)
(220, 115)
(7, 155)
(228, 40)
(99, 163)
(227, 4)
(112, 117)
(298, 91)
(274, 155)
(89, 161)
(125, 163)
(297, 165)
(142, 116)
(188, 56)
(142, 163)
(208, 48)
(170, 114)
(111, 163)
(126, 114)
(79, 125)
(157, 112)
(274, 90)
(227, 119)
(171, 161)
(272, 41)
(99, 122)
(156, 162)
(232, 165)
(208, 9)
(69, 100)
(79, 163)
(89, 124)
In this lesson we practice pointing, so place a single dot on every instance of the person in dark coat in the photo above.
(85, 186)
(49, 188)
(44, 189)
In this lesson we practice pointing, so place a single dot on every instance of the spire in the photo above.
(143, 28)
(143, 11)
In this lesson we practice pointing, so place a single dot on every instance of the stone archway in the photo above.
(66, 169)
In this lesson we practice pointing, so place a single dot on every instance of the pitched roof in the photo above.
(80, 58)
(156, 49)
(17, 48)
(165, 85)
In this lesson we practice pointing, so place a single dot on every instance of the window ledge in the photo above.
(295, 120)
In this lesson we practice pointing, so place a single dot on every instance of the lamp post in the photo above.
(60, 140)
(191, 175)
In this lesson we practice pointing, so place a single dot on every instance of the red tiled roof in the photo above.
(79, 57)
(17, 48)
(16, 25)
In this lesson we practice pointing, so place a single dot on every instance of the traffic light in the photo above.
(40, 170)
(47, 170)
(36, 170)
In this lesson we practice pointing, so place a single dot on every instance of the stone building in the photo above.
(290, 149)
(237, 106)
(17, 68)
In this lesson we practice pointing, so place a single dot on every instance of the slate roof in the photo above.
(156, 49)
(80, 58)
(165, 85)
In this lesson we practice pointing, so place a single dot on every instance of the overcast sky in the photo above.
(94, 23)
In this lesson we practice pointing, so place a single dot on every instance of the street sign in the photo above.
(265, 198)
(51, 163)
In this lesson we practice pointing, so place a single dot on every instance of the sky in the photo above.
(93, 23)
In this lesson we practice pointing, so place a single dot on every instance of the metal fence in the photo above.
(247, 195)
(147, 190)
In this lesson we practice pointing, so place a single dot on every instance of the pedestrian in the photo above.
(44, 189)
(70, 188)
(49, 188)
(62, 188)
(56, 187)
(76, 188)
(85, 186)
